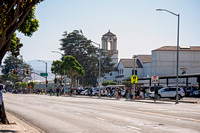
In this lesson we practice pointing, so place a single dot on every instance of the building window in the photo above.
(135, 72)
(122, 70)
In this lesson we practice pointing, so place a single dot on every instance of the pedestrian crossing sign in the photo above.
(134, 79)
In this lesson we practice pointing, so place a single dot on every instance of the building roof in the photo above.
(109, 34)
(181, 48)
(145, 58)
(128, 63)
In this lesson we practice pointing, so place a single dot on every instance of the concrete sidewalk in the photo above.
(18, 126)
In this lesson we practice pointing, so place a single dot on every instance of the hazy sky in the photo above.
(136, 23)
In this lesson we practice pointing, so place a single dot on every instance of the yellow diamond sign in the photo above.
(134, 79)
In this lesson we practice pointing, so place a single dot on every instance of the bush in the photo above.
(109, 82)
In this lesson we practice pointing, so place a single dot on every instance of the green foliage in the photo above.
(72, 69)
(56, 67)
(109, 82)
(127, 83)
(16, 15)
(24, 85)
(17, 85)
(30, 24)
(77, 45)
(31, 84)
(15, 63)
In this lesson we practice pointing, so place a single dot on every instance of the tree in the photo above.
(17, 85)
(14, 63)
(127, 83)
(16, 15)
(77, 45)
(72, 68)
(56, 67)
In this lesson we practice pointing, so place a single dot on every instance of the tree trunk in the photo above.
(4, 50)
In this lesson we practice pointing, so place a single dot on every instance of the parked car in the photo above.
(196, 92)
(192, 91)
(169, 92)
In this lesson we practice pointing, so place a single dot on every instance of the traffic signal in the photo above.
(46, 81)
(27, 71)
(14, 72)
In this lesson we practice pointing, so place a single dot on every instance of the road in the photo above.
(93, 115)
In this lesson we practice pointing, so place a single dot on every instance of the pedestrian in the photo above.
(141, 93)
(119, 92)
(144, 93)
(111, 92)
(116, 93)
(91, 92)
(127, 93)
(50, 91)
(108, 92)
(57, 91)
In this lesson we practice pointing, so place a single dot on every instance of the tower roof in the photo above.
(109, 34)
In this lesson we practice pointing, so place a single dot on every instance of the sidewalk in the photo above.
(17, 126)
(148, 100)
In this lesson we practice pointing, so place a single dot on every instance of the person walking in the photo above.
(116, 93)
(108, 92)
(111, 92)
(57, 91)
(119, 92)
(50, 91)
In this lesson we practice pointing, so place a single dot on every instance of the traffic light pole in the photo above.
(46, 74)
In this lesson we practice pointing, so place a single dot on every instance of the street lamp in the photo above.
(64, 70)
(177, 61)
(46, 73)
(99, 68)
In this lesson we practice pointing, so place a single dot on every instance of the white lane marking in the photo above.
(78, 113)
(101, 119)
(133, 127)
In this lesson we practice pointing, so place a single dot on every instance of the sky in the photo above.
(136, 23)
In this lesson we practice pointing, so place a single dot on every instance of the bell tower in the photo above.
(109, 43)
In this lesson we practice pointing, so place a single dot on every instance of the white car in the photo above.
(169, 92)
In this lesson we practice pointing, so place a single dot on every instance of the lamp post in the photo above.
(177, 61)
(134, 74)
(46, 73)
(99, 68)
(64, 70)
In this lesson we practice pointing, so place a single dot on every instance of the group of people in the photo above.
(114, 92)
(139, 93)
(59, 91)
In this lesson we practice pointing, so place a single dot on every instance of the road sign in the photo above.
(155, 79)
(43, 74)
(134, 79)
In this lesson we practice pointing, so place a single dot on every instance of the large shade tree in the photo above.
(77, 45)
(72, 69)
(16, 15)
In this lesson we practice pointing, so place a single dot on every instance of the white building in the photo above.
(162, 62)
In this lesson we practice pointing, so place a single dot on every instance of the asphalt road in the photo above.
(93, 115)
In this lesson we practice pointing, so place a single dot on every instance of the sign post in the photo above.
(155, 80)
(134, 79)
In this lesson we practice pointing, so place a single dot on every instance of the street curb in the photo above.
(138, 100)
(18, 125)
